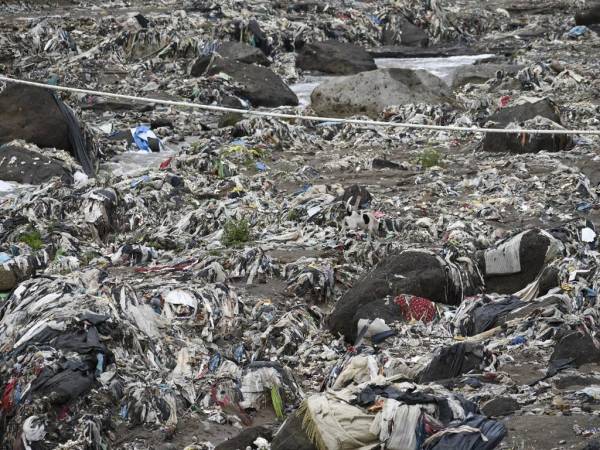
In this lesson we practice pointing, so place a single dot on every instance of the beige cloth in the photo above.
(333, 425)
(359, 369)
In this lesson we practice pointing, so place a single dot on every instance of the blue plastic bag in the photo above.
(577, 31)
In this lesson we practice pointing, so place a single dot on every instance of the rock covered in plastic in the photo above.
(28, 164)
(527, 113)
(419, 273)
(259, 85)
(522, 260)
(38, 116)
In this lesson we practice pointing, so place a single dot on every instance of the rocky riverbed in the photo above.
(173, 278)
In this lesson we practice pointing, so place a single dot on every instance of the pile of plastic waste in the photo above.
(172, 277)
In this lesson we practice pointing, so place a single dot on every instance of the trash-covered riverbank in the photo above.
(172, 278)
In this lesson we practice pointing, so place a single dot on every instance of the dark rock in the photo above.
(159, 122)
(576, 381)
(252, 32)
(411, 272)
(291, 435)
(335, 57)
(8, 280)
(526, 111)
(480, 73)
(379, 163)
(28, 166)
(229, 119)
(37, 116)
(354, 192)
(175, 181)
(532, 256)
(590, 16)
(549, 280)
(245, 438)
(528, 143)
(500, 406)
(452, 361)
(400, 51)
(244, 53)
(259, 85)
(527, 114)
(399, 30)
(32, 114)
(371, 92)
(575, 348)
(260, 38)
(232, 102)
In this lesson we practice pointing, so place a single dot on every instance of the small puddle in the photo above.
(443, 68)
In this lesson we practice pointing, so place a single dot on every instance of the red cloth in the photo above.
(7, 401)
(417, 308)
(165, 163)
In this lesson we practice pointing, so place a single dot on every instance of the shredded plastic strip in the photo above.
(447, 128)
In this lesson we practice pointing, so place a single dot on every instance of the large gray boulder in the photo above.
(259, 85)
(335, 57)
(244, 53)
(369, 93)
(37, 116)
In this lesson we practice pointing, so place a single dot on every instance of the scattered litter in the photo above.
(171, 277)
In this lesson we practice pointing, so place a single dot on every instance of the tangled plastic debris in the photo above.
(177, 278)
